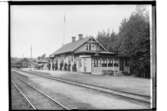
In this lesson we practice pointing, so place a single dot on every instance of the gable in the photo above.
(80, 45)
(91, 45)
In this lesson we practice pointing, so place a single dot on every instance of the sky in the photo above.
(47, 28)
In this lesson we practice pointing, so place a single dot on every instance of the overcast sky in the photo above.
(44, 28)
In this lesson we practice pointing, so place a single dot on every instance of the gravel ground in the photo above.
(18, 102)
(38, 100)
(82, 95)
(123, 83)
(67, 101)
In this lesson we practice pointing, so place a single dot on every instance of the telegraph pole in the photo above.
(31, 57)
(31, 52)
(64, 28)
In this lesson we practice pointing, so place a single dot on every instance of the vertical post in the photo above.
(57, 62)
(72, 63)
(113, 66)
(64, 28)
(51, 65)
(31, 57)
(31, 52)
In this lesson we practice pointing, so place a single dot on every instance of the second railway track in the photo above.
(145, 100)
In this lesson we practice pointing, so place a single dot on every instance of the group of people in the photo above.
(62, 67)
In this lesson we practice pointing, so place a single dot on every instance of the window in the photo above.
(110, 64)
(115, 64)
(87, 47)
(104, 63)
(93, 46)
(90, 46)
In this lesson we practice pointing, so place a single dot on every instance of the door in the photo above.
(87, 65)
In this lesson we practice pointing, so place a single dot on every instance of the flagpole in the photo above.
(31, 57)
(31, 52)
(64, 29)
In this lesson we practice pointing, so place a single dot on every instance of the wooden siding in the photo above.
(95, 47)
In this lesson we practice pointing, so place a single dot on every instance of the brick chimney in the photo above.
(73, 38)
(80, 36)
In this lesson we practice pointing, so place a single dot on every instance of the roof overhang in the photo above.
(95, 53)
(58, 54)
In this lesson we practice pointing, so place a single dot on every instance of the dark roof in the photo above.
(42, 61)
(24, 60)
(70, 47)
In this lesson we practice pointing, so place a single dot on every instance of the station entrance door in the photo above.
(86, 63)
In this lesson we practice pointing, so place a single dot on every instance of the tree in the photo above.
(134, 42)
(108, 40)
(43, 56)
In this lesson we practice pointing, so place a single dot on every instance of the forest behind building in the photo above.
(132, 41)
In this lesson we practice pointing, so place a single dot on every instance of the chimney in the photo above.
(73, 38)
(80, 36)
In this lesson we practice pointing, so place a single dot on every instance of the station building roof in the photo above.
(72, 46)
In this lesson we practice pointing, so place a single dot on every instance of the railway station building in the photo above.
(87, 55)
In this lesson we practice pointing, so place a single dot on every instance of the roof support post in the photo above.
(51, 63)
(113, 66)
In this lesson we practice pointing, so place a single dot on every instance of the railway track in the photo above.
(37, 98)
(144, 100)
(23, 95)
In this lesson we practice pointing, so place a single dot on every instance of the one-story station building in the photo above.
(87, 55)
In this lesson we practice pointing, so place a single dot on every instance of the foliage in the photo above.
(43, 56)
(133, 41)
(108, 40)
